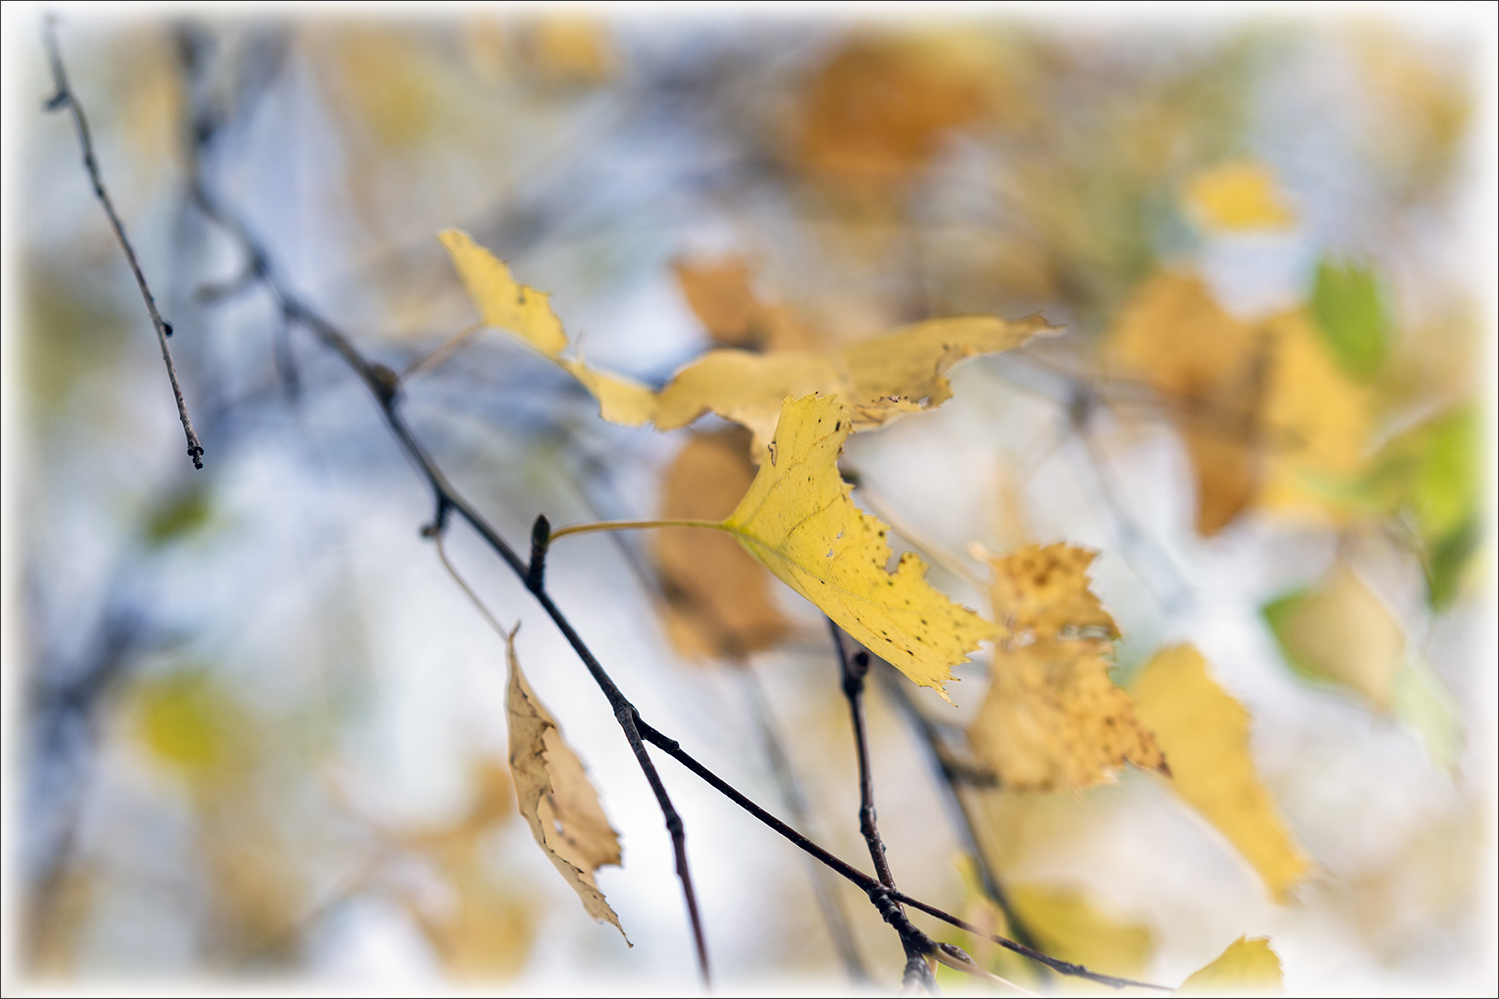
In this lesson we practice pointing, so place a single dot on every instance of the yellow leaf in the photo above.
(1318, 419)
(1206, 734)
(1065, 924)
(190, 724)
(722, 298)
(745, 388)
(1052, 717)
(1240, 195)
(875, 114)
(1070, 927)
(568, 50)
(555, 796)
(878, 380)
(509, 305)
(1045, 590)
(1342, 632)
(798, 519)
(1211, 369)
(718, 596)
(1246, 967)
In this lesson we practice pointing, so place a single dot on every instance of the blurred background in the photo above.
(255, 730)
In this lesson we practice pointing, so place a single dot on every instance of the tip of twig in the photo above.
(195, 452)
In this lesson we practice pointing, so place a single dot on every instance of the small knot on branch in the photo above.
(166, 327)
(853, 678)
(541, 540)
(57, 101)
(385, 382)
(439, 520)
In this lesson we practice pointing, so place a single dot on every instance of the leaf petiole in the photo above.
(631, 525)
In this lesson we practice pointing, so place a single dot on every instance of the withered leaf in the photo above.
(555, 797)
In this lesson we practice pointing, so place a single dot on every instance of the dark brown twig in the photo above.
(950, 774)
(871, 886)
(64, 97)
(852, 671)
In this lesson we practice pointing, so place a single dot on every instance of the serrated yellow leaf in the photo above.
(555, 797)
(799, 521)
(1053, 718)
(1238, 196)
(1044, 590)
(507, 304)
(877, 380)
(1246, 967)
(1206, 734)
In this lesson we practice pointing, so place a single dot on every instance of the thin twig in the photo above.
(948, 778)
(852, 671)
(633, 525)
(957, 959)
(441, 353)
(384, 385)
(64, 96)
(833, 912)
(877, 892)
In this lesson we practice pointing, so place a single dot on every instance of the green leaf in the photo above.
(1349, 305)
(1424, 705)
(1430, 472)
(183, 513)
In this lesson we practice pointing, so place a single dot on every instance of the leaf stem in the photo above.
(632, 525)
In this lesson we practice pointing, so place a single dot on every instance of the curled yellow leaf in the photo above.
(877, 380)
(1206, 732)
(507, 304)
(799, 521)
(554, 795)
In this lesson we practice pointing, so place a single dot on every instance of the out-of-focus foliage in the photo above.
(1246, 967)
(1053, 718)
(263, 731)
(1206, 732)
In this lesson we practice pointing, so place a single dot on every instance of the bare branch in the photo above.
(64, 96)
